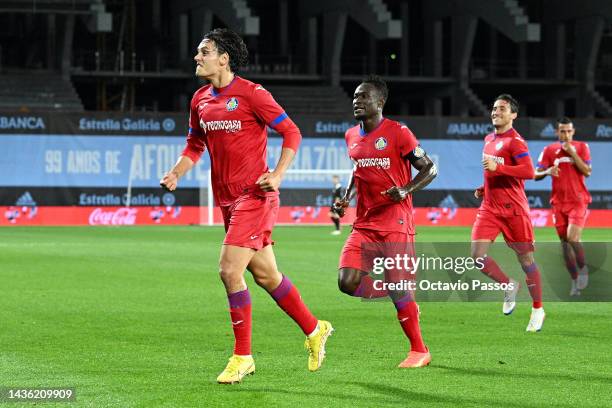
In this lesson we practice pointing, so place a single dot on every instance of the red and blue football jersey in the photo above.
(504, 194)
(569, 186)
(231, 123)
(380, 160)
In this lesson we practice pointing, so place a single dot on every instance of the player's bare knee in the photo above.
(260, 280)
(348, 281)
(396, 295)
(479, 249)
(477, 252)
(225, 275)
(229, 271)
(263, 281)
(348, 287)
(526, 259)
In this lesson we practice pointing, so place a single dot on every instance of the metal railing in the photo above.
(91, 60)
(480, 69)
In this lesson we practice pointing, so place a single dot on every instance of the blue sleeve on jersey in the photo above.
(518, 156)
(194, 132)
(278, 119)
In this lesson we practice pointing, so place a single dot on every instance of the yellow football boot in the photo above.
(316, 345)
(236, 369)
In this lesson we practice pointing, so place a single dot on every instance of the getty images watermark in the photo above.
(445, 271)
(409, 264)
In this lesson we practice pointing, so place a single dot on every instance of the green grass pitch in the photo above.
(137, 317)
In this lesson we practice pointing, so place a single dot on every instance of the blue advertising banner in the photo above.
(115, 161)
(91, 158)
(459, 165)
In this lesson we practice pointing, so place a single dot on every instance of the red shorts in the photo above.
(363, 245)
(516, 229)
(568, 213)
(249, 221)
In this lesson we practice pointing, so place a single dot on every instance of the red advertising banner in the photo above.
(288, 215)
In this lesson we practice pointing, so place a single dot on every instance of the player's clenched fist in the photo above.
(169, 181)
(340, 206)
(489, 164)
(554, 171)
(396, 193)
(269, 181)
(568, 148)
(479, 192)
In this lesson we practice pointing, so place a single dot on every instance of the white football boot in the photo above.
(583, 278)
(510, 298)
(536, 320)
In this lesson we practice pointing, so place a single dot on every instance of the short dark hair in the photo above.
(379, 84)
(227, 41)
(514, 106)
(564, 121)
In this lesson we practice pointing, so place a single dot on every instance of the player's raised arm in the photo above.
(415, 155)
(170, 180)
(582, 165)
(191, 154)
(271, 181)
(426, 167)
(291, 141)
(522, 167)
(544, 167)
(427, 172)
(271, 113)
(543, 172)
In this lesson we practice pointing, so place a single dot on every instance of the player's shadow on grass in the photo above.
(370, 400)
(404, 395)
(382, 394)
(497, 373)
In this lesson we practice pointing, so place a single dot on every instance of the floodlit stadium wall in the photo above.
(103, 169)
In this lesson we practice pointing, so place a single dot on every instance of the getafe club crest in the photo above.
(380, 143)
(232, 104)
(499, 145)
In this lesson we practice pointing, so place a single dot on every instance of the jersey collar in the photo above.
(509, 132)
(218, 91)
(362, 132)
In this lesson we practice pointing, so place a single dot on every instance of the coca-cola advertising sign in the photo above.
(288, 215)
(121, 216)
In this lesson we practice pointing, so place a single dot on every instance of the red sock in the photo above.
(570, 260)
(366, 289)
(579, 251)
(493, 271)
(240, 313)
(408, 316)
(534, 284)
(288, 298)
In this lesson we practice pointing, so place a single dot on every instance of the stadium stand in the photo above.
(27, 91)
(443, 58)
(312, 99)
